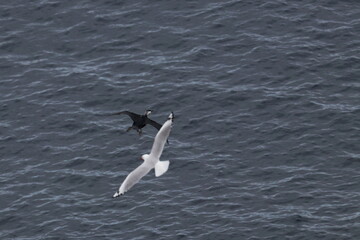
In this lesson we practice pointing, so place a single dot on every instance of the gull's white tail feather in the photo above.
(161, 167)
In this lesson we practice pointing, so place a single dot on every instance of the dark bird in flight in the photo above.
(139, 121)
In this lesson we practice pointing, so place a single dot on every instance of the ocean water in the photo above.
(265, 144)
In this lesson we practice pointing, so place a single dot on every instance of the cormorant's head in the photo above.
(148, 112)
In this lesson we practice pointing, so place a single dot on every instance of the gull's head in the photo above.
(144, 157)
(148, 112)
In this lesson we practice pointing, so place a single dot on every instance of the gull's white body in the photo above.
(151, 160)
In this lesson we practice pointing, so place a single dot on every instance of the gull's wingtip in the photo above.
(117, 194)
(171, 116)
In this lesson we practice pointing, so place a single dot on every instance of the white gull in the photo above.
(151, 160)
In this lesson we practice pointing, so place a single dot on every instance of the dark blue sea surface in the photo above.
(265, 144)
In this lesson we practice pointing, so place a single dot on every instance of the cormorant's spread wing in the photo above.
(153, 123)
(135, 117)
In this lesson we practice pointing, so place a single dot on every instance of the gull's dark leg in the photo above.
(139, 131)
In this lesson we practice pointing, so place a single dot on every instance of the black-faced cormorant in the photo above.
(139, 121)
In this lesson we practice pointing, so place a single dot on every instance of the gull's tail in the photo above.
(161, 167)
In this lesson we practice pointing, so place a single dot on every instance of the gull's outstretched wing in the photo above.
(133, 178)
(153, 123)
(161, 137)
(135, 117)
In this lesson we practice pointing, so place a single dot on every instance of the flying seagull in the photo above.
(139, 121)
(151, 160)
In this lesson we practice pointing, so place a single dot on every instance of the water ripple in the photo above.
(265, 141)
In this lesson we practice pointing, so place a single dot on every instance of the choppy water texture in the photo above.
(265, 143)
